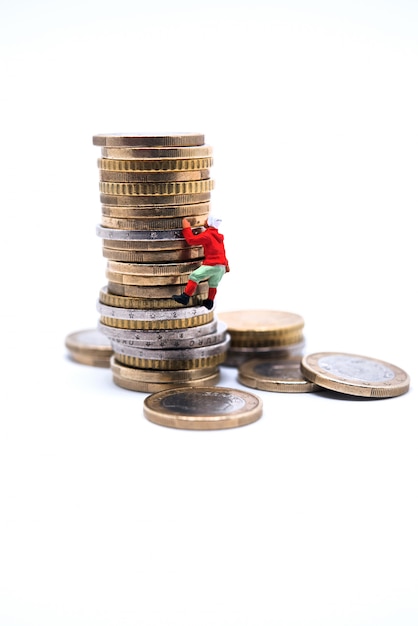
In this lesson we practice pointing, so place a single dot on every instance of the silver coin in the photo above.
(173, 354)
(354, 374)
(141, 235)
(121, 313)
(174, 344)
(160, 338)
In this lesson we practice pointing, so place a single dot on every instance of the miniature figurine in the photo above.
(214, 265)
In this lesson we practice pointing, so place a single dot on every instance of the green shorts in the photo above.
(212, 273)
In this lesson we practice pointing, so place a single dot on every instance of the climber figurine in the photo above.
(214, 265)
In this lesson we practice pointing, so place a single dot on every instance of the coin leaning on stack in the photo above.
(148, 184)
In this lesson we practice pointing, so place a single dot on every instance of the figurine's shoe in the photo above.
(208, 303)
(183, 299)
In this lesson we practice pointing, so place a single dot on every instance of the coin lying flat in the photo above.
(155, 165)
(175, 377)
(157, 189)
(155, 319)
(275, 375)
(355, 375)
(152, 177)
(263, 327)
(203, 408)
(237, 355)
(188, 152)
(146, 387)
(154, 212)
(189, 198)
(148, 140)
(89, 347)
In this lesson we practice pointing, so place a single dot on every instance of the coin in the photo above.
(149, 140)
(173, 364)
(154, 165)
(134, 302)
(145, 387)
(150, 224)
(157, 336)
(115, 253)
(164, 355)
(153, 245)
(141, 235)
(174, 188)
(158, 153)
(280, 375)
(152, 177)
(152, 318)
(237, 356)
(139, 279)
(148, 291)
(355, 374)
(157, 211)
(89, 347)
(190, 198)
(250, 326)
(152, 269)
(203, 408)
(177, 377)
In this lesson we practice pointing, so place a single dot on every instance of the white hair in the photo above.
(215, 222)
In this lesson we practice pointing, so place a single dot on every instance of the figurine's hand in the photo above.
(227, 269)
(186, 223)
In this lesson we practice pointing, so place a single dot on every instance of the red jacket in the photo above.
(212, 242)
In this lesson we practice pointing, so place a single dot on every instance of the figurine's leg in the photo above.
(189, 290)
(208, 303)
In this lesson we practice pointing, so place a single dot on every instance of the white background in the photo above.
(308, 517)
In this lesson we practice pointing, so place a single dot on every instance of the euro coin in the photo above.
(268, 374)
(89, 347)
(355, 374)
(202, 408)
(149, 140)
(252, 328)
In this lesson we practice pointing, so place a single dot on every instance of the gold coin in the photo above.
(90, 347)
(166, 324)
(145, 281)
(157, 245)
(132, 302)
(160, 376)
(238, 356)
(191, 152)
(145, 387)
(355, 375)
(157, 212)
(157, 189)
(265, 341)
(203, 408)
(152, 269)
(152, 177)
(149, 141)
(272, 374)
(174, 364)
(139, 256)
(261, 324)
(138, 201)
(151, 224)
(150, 291)
(153, 165)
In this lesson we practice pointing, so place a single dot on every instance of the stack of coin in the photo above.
(148, 184)
(262, 333)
